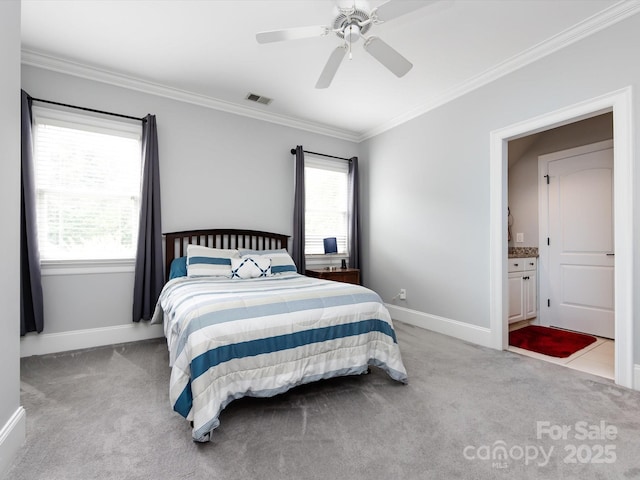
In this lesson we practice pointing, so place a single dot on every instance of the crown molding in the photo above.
(614, 14)
(610, 16)
(68, 67)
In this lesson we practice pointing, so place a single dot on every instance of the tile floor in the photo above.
(597, 358)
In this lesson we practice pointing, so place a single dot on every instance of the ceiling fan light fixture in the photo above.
(351, 33)
(349, 25)
(355, 18)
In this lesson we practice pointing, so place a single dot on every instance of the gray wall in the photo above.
(427, 229)
(217, 170)
(10, 221)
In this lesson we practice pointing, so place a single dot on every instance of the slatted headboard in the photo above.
(176, 242)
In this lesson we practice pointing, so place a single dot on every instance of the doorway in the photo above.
(567, 196)
(619, 103)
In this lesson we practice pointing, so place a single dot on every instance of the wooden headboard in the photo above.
(176, 242)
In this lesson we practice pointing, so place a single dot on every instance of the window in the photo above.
(87, 179)
(326, 203)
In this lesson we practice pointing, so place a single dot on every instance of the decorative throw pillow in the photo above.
(205, 261)
(281, 261)
(250, 267)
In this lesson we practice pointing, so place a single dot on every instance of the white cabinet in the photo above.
(523, 291)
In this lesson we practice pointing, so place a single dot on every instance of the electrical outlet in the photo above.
(519, 237)
(403, 294)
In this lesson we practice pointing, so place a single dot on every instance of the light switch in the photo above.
(519, 237)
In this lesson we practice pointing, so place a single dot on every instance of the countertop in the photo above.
(523, 252)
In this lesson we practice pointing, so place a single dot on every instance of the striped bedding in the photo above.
(260, 337)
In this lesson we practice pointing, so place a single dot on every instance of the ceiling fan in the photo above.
(351, 24)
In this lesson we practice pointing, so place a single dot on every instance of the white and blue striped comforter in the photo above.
(260, 337)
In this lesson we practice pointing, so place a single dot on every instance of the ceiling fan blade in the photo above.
(291, 34)
(330, 69)
(395, 8)
(387, 56)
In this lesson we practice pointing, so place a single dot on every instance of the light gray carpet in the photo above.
(104, 414)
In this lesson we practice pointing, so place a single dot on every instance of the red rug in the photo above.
(549, 341)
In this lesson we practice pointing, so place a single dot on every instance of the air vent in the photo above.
(259, 98)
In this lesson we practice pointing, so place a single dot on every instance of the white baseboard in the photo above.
(44, 343)
(446, 326)
(12, 437)
(461, 330)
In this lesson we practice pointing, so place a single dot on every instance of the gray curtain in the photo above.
(149, 277)
(31, 304)
(354, 214)
(298, 212)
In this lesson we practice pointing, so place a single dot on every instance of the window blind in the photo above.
(326, 203)
(87, 178)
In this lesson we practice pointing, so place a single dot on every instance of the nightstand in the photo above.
(346, 275)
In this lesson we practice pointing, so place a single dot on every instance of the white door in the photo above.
(580, 240)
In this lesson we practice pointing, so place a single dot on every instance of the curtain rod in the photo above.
(293, 152)
(88, 109)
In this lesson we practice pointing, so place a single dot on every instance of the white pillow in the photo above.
(205, 261)
(250, 267)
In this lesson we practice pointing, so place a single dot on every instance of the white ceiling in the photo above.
(206, 51)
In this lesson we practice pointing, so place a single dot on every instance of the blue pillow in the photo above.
(178, 268)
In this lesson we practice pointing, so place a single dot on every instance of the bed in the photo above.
(240, 321)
